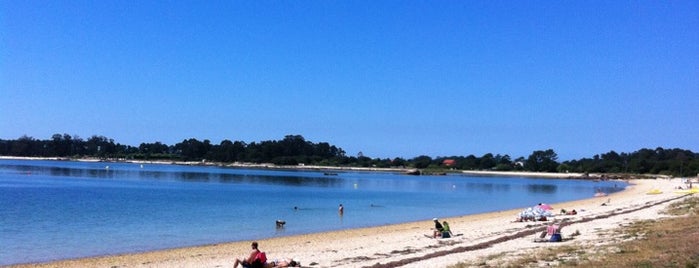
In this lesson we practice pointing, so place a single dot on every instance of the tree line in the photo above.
(295, 150)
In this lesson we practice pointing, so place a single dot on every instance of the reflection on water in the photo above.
(608, 189)
(489, 187)
(542, 188)
(112, 173)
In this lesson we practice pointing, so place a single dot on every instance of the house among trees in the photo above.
(448, 162)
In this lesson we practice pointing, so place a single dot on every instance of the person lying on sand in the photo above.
(565, 212)
(284, 262)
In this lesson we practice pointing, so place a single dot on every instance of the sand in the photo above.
(407, 245)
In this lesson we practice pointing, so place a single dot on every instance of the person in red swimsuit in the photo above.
(256, 259)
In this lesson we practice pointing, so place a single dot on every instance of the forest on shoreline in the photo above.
(296, 150)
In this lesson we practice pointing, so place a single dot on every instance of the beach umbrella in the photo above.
(546, 207)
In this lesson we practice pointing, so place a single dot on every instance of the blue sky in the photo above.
(385, 78)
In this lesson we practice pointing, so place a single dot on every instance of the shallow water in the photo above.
(53, 210)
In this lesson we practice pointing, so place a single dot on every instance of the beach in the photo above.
(410, 244)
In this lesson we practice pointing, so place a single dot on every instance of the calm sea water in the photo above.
(53, 210)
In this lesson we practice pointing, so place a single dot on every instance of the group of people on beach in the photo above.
(441, 230)
(258, 259)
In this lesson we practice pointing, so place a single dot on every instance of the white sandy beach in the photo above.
(406, 245)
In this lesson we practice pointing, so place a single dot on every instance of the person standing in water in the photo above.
(341, 210)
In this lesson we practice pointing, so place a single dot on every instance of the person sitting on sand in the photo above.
(438, 228)
(554, 231)
(256, 259)
(446, 231)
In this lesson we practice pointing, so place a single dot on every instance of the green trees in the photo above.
(295, 149)
(193, 149)
(504, 163)
(487, 162)
(62, 145)
(422, 161)
(675, 162)
(542, 161)
(100, 146)
(156, 150)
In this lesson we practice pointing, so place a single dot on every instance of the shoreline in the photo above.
(270, 166)
(405, 244)
(528, 174)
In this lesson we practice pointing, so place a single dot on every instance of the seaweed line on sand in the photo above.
(505, 238)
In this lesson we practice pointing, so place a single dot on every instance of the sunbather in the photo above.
(565, 212)
(284, 263)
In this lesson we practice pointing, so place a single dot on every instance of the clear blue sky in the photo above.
(387, 78)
